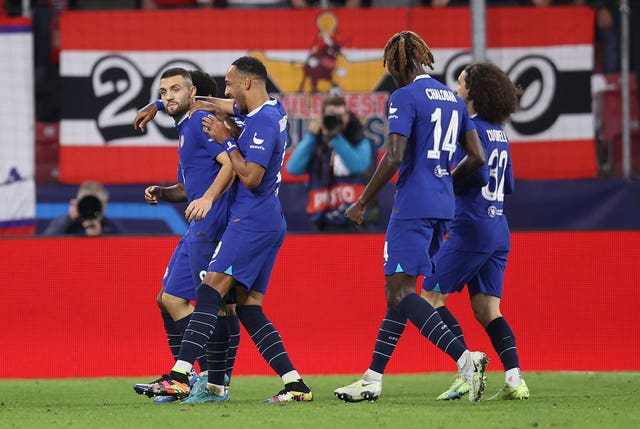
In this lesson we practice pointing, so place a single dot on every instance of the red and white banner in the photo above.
(17, 166)
(111, 63)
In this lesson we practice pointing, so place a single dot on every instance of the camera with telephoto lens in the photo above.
(89, 207)
(331, 121)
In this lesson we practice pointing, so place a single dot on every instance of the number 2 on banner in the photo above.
(449, 141)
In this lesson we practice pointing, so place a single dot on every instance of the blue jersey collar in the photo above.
(271, 101)
(422, 76)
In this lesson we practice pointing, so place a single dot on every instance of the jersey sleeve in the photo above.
(260, 139)
(401, 113)
(179, 173)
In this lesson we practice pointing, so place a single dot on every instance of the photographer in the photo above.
(86, 214)
(336, 155)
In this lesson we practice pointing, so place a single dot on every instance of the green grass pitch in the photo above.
(559, 400)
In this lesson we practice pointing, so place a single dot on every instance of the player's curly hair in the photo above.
(493, 94)
(406, 50)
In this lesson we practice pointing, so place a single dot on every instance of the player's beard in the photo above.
(180, 110)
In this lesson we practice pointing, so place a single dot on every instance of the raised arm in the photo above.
(475, 158)
(213, 105)
(249, 173)
(198, 208)
(144, 115)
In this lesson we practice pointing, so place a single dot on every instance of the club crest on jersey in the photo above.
(440, 172)
(493, 211)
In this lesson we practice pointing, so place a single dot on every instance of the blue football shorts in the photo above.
(187, 267)
(247, 256)
(410, 245)
(481, 272)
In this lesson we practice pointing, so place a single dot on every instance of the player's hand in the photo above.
(198, 209)
(92, 227)
(144, 115)
(216, 129)
(202, 104)
(230, 123)
(315, 125)
(73, 209)
(355, 212)
(153, 194)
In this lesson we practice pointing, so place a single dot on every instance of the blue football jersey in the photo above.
(480, 224)
(262, 141)
(432, 117)
(198, 168)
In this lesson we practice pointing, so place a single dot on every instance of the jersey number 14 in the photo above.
(448, 142)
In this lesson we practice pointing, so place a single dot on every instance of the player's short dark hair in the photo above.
(205, 84)
(251, 66)
(493, 94)
(176, 71)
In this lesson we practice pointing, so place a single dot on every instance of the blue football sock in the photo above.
(389, 333)
(217, 352)
(173, 336)
(266, 338)
(202, 323)
(234, 341)
(453, 324)
(504, 342)
(429, 323)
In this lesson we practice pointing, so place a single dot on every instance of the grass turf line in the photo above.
(559, 400)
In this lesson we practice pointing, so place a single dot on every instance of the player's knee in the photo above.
(160, 302)
(485, 315)
(172, 304)
(209, 278)
(395, 295)
(436, 299)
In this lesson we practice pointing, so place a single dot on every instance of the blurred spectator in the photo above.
(86, 214)
(336, 155)
(247, 4)
(607, 35)
(324, 3)
(177, 4)
(397, 3)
